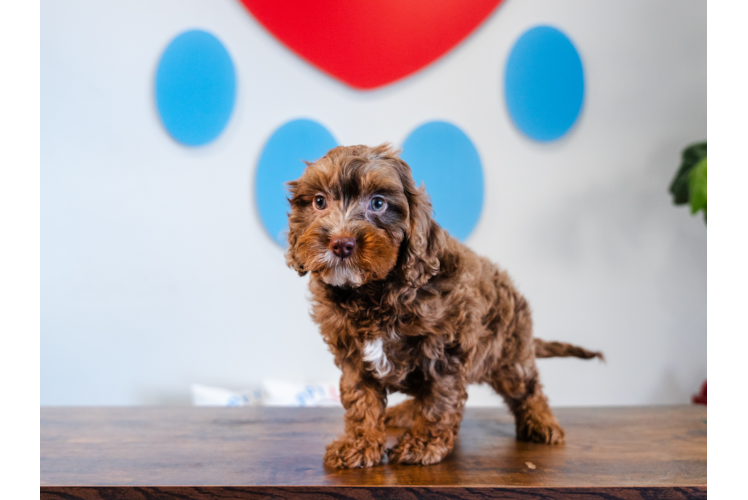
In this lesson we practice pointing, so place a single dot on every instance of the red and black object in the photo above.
(709, 393)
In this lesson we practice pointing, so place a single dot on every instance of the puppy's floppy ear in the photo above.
(292, 259)
(425, 240)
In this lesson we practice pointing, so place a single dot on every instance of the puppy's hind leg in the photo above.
(521, 389)
(400, 415)
(515, 378)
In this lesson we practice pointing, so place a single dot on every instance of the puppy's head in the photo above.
(356, 217)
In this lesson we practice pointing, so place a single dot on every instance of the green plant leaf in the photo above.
(691, 156)
(697, 187)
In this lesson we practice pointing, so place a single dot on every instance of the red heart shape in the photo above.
(370, 43)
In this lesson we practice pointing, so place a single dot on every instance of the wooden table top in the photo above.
(184, 450)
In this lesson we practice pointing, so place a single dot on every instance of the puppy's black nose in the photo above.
(342, 247)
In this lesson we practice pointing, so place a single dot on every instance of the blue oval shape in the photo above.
(195, 87)
(544, 83)
(446, 161)
(282, 160)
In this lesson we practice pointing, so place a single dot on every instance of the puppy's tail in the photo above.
(545, 349)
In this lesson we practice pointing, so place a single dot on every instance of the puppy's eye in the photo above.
(378, 204)
(320, 203)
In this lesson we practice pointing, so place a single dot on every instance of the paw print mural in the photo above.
(543, 76)
(544, 83)
(370, 43)
(195, 87)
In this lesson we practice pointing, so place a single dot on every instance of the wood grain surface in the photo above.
(170, 452)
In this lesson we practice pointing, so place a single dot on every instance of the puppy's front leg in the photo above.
(437, 417)
(364, 399)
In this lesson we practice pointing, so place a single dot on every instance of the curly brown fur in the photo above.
(408, 309)
(545, 349)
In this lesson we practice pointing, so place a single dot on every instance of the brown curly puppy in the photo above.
(405, 307)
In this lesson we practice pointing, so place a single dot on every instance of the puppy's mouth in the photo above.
(340, 271)
(348, 261)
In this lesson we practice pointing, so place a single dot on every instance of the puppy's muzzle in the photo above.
(343, 247)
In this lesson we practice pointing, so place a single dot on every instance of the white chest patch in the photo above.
(374, 354)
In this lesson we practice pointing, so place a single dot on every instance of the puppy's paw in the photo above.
(400, 415)
(415, 450)
(543, 429)
(352, 453)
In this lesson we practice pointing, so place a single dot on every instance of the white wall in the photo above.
(157, 273)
